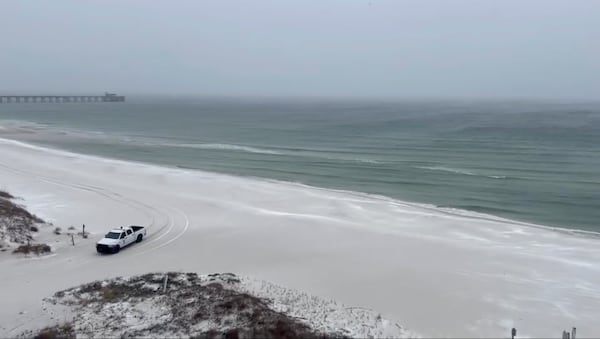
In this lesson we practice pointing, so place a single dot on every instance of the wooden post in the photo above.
(165, 283)
(83, 233)
(573, 332)
(73, 239)
(513, 333)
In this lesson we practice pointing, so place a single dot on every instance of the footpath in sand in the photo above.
(437, 272)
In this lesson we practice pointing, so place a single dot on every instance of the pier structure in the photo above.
(107, 97)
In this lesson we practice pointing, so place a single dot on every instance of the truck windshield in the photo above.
(112, 235)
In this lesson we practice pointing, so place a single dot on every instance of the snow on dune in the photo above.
(179, 304)
(327, 316)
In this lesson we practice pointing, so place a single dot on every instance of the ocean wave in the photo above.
(446, 169)
(459, 171)
(10, 124)
(48, 129)
(341, 158)
(251, 149)
(367, 161)
(486, 210)
(227, 147)
(145, 141)
(331, 156)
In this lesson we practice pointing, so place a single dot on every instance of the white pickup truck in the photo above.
(118, 238)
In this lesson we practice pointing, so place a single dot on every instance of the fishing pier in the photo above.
(107, 97)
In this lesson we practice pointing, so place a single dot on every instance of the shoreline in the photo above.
(414, 264)
(524, 214)
(451, 211)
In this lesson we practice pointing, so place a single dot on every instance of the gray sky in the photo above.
(376, 48)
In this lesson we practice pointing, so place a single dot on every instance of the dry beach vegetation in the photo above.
(17, 227)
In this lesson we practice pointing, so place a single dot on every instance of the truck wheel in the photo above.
(117, 249)
(139, 238)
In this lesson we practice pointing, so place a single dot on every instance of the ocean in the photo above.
(530, 161)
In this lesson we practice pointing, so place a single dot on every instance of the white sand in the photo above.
(439, 273)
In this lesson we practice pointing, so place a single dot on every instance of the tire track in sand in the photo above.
(152, 212)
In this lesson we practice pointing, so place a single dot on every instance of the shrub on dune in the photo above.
(33, 248)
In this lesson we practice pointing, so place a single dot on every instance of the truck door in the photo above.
(130, 238)
(122, 239)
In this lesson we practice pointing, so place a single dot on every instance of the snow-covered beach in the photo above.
(437, 272)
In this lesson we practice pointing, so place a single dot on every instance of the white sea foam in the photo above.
(226, 147)
(446, 169)
(459, 171)
(330, 155)
(367, 161)
(8, 124)
(260, 150)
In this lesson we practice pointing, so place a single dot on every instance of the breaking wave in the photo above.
(227, 147)
(251, 149)
(459, 171)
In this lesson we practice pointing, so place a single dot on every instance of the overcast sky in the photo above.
(376, 48)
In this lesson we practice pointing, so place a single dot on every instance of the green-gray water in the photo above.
(536, 162)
